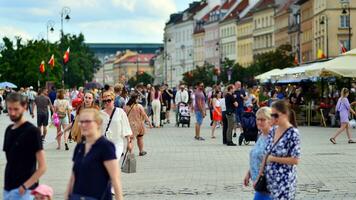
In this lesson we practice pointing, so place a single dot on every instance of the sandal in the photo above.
(213, 137)
(332, 140)
(142, 153)
(351, 142)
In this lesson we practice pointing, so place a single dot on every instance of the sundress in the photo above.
(282, 178)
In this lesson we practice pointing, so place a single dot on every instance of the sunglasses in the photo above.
(261, 119)
(82, 122)
(107, 101)
(275, 115)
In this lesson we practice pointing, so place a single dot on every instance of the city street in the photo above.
(179, 167)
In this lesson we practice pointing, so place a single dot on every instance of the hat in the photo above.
(43, 190)
(31, 88)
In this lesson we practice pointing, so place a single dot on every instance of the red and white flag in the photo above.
(51, 61)
(42, 67)
(66, 56)
(342, 48)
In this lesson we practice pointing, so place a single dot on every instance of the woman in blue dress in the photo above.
(344, 108)
(263, 118)
(280, 166)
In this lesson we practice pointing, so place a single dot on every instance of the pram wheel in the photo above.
(246, 142)
(241, 138)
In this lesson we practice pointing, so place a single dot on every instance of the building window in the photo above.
(344, 21)
(345, 43)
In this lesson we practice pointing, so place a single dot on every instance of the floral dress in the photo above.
(282, 178)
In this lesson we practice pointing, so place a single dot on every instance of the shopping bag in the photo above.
(129, 163)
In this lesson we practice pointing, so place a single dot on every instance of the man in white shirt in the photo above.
(181, 97)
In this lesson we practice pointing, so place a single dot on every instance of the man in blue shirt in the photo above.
(240, 96)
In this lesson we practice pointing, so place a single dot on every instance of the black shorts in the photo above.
(42, 119)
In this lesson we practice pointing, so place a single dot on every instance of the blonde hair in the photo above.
(118, 87)
(97, 116)
(344, 92)
(109, 93)
(265, 112)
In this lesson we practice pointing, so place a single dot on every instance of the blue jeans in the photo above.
(199, 117)
(15, 195)
(261, 196)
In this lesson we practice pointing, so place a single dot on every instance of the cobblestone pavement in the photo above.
(178, 167)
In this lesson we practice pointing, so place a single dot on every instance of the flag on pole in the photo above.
(66, 56)
(42, 67)
(342, 48)
(296, 59)
(321, 54)
(51, 61)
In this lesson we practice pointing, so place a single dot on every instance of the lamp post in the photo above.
(50, 25)
(165, 56)
(347, 10)
(324, 21)
(64, 15)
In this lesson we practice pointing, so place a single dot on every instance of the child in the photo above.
(42, 192)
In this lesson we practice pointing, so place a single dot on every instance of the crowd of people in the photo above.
(105, 122)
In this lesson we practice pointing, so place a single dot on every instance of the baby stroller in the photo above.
(249, 128)
(183, 114)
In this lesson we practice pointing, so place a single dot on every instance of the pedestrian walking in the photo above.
(119, 100)
(182, 96)
(156, 106)
(241, 97)
(343, 108)
(199, 109)
(264, 125)
(217, 113)
(282, 153)
(31, 95)
(25, 158)
(231, 105)
(224, 119)
(137, 117)
(167, 97)
(43, 103)
(116, 126)
(62, 108)
(95, 164)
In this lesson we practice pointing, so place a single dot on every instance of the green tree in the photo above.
(200, 74)
(144, 78)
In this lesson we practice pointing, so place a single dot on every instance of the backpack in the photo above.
(62, 109)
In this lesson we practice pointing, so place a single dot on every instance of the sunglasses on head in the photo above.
(107, 101)
(275, 115)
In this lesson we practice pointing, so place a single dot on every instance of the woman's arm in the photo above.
(112, 166)
(69, 189)
(283, 160)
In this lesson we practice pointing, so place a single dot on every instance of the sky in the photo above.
(101, 21)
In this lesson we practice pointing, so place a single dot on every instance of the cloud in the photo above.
(128, 5)
(11, 32)
(39, 11)
(78, 3)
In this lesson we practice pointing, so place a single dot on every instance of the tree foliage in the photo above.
(20, 61)
(143, 77)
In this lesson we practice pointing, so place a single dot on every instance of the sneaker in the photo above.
(200, 139)
(142, 153)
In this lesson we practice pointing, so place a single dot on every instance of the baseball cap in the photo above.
(31, 88)
(44, 190)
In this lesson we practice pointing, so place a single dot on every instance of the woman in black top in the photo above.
(95, 166)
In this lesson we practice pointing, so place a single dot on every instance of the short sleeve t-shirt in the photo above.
(229, 103)
(42, 103)
(91, 176)
(20, 147)
(199, 98)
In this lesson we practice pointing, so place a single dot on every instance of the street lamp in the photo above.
(165, 56)
(64, 15)
(50, 25)
(324, 21)
(347, 10)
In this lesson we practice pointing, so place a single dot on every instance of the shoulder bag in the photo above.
(261, 184)
(108, 126)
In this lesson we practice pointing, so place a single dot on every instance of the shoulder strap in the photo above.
(275, 144)
(112, 114)
(133, 105)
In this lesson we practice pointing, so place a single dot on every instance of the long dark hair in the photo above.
(157, 90)
(283, 107)
(133, 99)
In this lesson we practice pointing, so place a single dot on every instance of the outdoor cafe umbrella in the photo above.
(7, 84)
(93, 84)
(267, 75)
(343, 65)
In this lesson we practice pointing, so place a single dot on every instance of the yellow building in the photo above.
(263, 22)
(331, 26)
(306, 37)
(281, 20)
(199, 55)
(245, 40)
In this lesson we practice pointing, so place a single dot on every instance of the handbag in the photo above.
(261, 184)
(108, 126)
(128, 163)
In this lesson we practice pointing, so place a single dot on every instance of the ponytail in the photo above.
(293, 118)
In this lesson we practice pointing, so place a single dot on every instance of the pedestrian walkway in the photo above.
(179, 167)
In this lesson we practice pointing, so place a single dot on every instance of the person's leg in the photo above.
(230, 127)
(159, 107)
(140, 145)
(339, 131)
(59, 136)
(66, 134)
(44, 132)
(155, 110)
(348, 131)
(224, 129)
(197, 130)
(213, 129)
